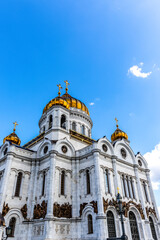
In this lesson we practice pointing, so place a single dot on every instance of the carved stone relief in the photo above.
(24, 211)
(5, 209)
(150, 210)
(40, 211)
(38, 230)
(126, 206)
(64, 210)
(62, 228)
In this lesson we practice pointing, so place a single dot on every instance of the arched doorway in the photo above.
(133, 226)
(111, 224)
(152, 228)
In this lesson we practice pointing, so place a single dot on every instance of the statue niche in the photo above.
(40, 211)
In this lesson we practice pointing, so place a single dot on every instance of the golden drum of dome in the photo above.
(118, 134)
(67, 101)
(13, 138)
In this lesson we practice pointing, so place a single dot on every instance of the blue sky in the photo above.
(108, 51)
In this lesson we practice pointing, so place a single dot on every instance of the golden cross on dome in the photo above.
(15, 124)
(116, 122)
(67, 83)
(59, 86)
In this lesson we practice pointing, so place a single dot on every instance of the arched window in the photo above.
(152, 228)
(43, 183)
(62, 182)
(90, 224)
(111, 224)
(88, 182)
(74, 126)
(50, 121)
(83, 130)
(63, 121)
(107, 181)
(43, 128)
(18, 184)
(12, 224)
(133, 226)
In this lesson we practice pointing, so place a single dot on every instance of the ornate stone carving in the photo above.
(83, 205)
(5, 209)
(2, 221)
(40, 211)
(24, 211)
(125, 205)
(64, 210)
(150, 210)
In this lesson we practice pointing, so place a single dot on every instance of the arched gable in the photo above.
(106, 142)
(40, 151)
(142, 159)
(64, 146)
(130, 156)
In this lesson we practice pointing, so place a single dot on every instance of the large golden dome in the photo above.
(67, 101)
(13, 138)
(118, 134)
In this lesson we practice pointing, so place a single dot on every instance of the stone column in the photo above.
(51, 186)
(115, 175)
(126, 186)
(139, 190)
(5, 180)
(34, 187)
(151, 193)
(101, 218)
(30, 190)
(134, 192)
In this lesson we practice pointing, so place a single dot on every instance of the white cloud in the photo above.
(159, 210)
(153, 159)
(137, 71)
(141, 63)
(91, 104)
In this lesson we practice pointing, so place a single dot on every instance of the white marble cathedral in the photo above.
(63, 184)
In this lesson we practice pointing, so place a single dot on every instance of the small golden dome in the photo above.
(118, 134)
(12, 138)
(67, 101)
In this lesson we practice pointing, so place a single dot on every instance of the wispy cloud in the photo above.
(137, 71)
(153, 159)
(91, 104)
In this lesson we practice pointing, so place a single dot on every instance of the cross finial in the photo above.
(59, 87)
(118, 189)
(116, 122)
(15, 124)
(67, 83)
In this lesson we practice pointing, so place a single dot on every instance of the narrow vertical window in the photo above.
(43, 128)
(12, 224)
(83, 130)
(43, 183)
(133, 226)
(88, 182)
(124, 186)
(111, 224)
(18, 184)
(89, 133)
(152, 228)
(90, 224)
(145, 191)
(107, 181)
(63, 121)
(128, 186)
(133, 194)
(50, 121)
(74, 126)
(62, 182)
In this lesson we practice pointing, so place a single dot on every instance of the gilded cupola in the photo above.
(66, 101)
(13, 138)
(118, 134)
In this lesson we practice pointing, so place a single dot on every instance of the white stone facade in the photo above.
(105, 167)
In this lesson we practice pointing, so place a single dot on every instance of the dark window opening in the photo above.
(133, 226)
(90, 224)
(43, 184)
(18, 185)
(12, 224)
(107, 181)
(88, 182)
(63, 121)
(50, 121)
(111, 224)
(152, 228)
(74, 126)
(62, 182)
